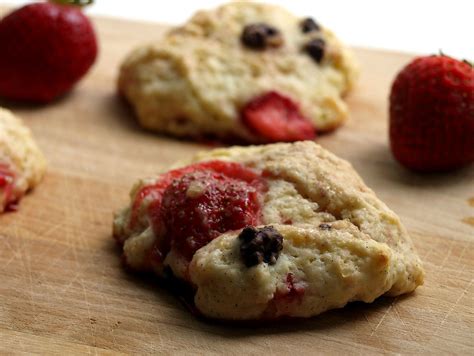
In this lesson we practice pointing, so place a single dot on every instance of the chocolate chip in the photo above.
(325, 226)
(260, 245)
(309, 25)
(315, 48)
(261, 36)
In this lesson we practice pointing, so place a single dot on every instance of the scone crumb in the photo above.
(195, 189)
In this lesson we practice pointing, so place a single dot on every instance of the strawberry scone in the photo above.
(263, 232)
(244, 71)
(22, 165)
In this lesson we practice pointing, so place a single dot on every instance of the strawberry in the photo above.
(8, 200)
(432, 114)
(191, 218)
(276, 118)
(45, 49)
(200, 206)
(154, 192)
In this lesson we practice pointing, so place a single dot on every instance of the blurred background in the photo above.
(418, 26)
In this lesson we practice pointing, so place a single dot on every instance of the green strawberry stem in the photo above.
(73, 2)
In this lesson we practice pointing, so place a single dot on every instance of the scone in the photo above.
(263, 232)
(245, 71)
(22, 165)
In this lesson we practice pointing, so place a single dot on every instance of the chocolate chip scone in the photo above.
(268, 231)
(22, 165)
(246, 71)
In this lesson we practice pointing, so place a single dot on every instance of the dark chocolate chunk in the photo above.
(315, 48)
(309, 25)
(261, 36)
(325, 226)
(260, 245)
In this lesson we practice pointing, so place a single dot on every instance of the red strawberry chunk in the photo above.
(277, 118)
(6, 189)
(155, 191)
(294, 289)
(202, 205)
(191, 218)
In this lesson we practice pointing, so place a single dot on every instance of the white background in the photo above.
(419, 26)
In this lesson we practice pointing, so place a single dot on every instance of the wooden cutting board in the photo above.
(63, 289)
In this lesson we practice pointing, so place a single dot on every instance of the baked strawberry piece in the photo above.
(202, 205)
(277, 118)
(189, 207)
(8, 198)
(432, 114)
(267, 231)
(22, 165)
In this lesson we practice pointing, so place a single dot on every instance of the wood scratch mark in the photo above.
(431, 249)
(51, 229)
(23, 255)
(77, 263)
(12, 257)
(52, 265)
(383, 317)
(462, 268)
(68, 285)
(398, 316)
(14, 254)
(95, 255)
(370, 325)
(91, 328)
(461, 255)
(52, 246)
(448, 255)
(464, 291)
(411, 330)
(365, 317)
(105, 309)
(8, 245)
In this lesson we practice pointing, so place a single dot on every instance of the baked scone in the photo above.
(22, 165)
(247, 71)
(262, 232)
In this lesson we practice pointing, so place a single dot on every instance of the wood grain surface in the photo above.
(63, 289)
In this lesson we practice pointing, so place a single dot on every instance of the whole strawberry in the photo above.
(432, 114)
(45, 49)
